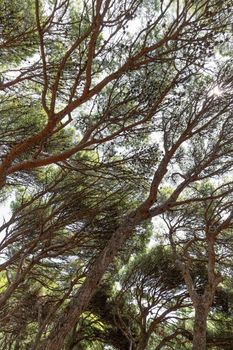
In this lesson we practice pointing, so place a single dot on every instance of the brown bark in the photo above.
(143, 342)
(69, 317)
(73, 311)
(200, 327)
(202, 303)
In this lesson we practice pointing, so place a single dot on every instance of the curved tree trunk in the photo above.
(68, 318)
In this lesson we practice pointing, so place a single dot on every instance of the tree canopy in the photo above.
(116, 146)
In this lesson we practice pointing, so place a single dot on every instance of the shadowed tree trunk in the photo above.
(69, 317)
(203, 302)
(143, 342)
(200, 326)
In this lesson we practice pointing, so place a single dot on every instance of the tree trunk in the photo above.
(69, 317)
(200, 327)
(71, 314)
(143, 341)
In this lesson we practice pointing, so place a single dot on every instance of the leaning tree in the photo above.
(111, 114)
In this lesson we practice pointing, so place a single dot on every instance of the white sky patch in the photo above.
(216, 91)
(5, 214)
(159, 228)
(134, 26)
(5, 211)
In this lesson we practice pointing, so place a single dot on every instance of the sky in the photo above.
(5, 213)
(132, 29)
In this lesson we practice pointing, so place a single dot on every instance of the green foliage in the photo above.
(17, 31)
(108, 118)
